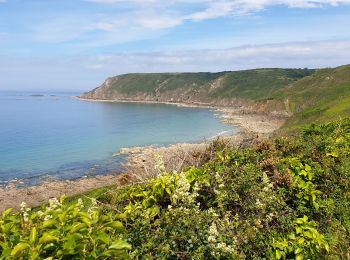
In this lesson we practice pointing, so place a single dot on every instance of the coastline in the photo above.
(245, 118)
(142, 161)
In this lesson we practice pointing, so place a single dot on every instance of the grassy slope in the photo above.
(320, 97)
(151, 82)
(257, 84)
(248, 84)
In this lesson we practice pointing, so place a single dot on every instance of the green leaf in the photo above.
(49, 223)
(154, 211)
(19, 248)
(77, 227)
(278, 254)
(33, 235)
(120, 245)
(168, 191)
(158, 189)
(86, 221)
(326, 246)
(48, 238)
(117, 225)
(120, 216)
(308, 234)
(103, 237)
(299, 257)
(149, 202)
(298, 251)
(6, 212)
(70, 244)
(307, 167)
(298, 230)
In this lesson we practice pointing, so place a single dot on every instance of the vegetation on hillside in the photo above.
(152, 83)
(321, 97)
(257, 84)
(279, 199)
(205, 86)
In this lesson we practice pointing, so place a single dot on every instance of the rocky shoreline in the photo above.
(143, 162)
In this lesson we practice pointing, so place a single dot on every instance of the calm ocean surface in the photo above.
(57, 137)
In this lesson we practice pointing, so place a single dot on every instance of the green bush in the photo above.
(275, 200)
(60, 231)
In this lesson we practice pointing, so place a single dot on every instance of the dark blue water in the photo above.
(55, 136)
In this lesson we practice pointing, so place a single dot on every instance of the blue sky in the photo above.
(76, 44)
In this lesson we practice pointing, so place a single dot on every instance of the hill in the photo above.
(320, 97)
(202, 87)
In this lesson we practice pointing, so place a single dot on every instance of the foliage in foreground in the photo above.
(282, 199)
(60, 231)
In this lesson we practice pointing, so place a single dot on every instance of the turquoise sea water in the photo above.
(55, 136)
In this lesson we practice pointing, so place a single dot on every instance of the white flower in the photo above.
(54, 204)
(182, 192)
(40, 213)
(23, 205)
(160, 167)
(47, 217)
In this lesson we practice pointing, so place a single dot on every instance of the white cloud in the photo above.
(158, 22)
(144, 19)
(223, 8)
(160, 14)
(215, 9)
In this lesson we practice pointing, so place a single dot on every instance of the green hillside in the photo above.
(202, 86)
(154, 82)
(322, 96)
(257, 84)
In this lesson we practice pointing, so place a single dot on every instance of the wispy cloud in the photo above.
(143, 19)
(298, 54)
(220, 8)
(89, 71)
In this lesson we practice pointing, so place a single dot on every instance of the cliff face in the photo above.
(240, 88)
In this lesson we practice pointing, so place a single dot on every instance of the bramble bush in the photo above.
(286, 198)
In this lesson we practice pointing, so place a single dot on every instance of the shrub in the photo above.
(61, 231)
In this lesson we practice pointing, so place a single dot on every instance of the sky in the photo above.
(76, 44)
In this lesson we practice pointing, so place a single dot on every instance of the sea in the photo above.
(52, 136)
